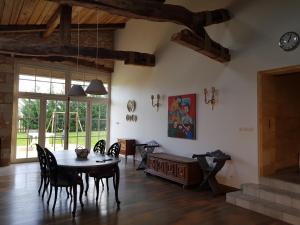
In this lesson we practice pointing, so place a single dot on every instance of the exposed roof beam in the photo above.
(202, 44)
(43, 27)
(157, 11)
(71, 60)
(154, 11)
(52, 22)
(65, 24)
(14, 47)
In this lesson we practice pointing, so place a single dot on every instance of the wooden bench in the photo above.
(183, 170)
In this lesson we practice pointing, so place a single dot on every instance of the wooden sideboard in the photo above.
(127, 147)
(183, 170)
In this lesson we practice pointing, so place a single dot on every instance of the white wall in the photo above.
(252, 36)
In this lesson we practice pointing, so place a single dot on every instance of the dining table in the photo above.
(68, 160)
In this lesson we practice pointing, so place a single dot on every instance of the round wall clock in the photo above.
(289, 41)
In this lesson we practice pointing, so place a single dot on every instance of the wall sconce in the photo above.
(157, 101)
(212, 100)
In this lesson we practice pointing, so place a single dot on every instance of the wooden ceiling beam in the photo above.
(13, 47)
(157, 11)
(43, 27)
(70, 60)
(151, 10)
(203, 44)
(52, 23)
(65, 25)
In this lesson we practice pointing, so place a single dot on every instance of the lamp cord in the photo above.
(78, 30)
(96, 62)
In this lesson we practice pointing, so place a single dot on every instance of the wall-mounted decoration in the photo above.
(182, 116)
(155, 105)
(131, 118)
(131, 105)
(212, 100)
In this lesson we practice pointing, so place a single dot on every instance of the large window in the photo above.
(43, 117)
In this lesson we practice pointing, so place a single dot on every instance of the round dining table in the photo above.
(67, 159)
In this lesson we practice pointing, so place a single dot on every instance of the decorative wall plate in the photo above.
(131, 105)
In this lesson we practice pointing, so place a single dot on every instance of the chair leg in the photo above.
(102, 183)
(97, 188)
(75, 199)
(41, 184)
(55, 197)
(107, 186)
(49, 195)
(68, 194)
(46, 183)
(87, 183)
(81, 194)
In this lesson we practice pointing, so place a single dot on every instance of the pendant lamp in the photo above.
(76, 90)
(96, 86)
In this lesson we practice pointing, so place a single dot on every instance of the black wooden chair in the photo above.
(106, 172)
(211, 163)
(98, 148)
(60, 177)
(44, 169)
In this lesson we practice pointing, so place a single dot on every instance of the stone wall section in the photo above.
(6, 107)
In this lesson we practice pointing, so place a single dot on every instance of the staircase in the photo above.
(272, 197)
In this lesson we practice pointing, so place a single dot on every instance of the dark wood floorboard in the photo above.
(145, 200)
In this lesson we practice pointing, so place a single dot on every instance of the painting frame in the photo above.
(182, 116)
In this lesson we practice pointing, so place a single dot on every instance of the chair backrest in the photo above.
(42, 158)
(51, 163)
(114, 150)
(100, 147)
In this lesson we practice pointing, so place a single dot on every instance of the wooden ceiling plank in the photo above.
(26, 12)
(52, 9)
(53, 22)
(7, 11)
(15, 47)
(17, 7)
(37, 12)
(44, 13)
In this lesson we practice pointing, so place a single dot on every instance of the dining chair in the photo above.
(98, 148)
(44, 169)
(60, 177)
(106, 172)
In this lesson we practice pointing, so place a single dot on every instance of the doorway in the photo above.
(279, 119)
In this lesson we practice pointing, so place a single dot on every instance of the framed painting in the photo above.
(182, 116)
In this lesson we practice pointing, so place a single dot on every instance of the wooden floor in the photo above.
(145, 200)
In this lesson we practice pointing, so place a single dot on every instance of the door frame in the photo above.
(260, 75)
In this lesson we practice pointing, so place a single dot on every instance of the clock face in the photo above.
(289, 41)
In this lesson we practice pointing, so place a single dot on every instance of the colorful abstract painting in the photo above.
(182, 116)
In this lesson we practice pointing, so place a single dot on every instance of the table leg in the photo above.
(117, 175)
(87, 182)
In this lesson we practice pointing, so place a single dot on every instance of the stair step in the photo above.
(274, 210)
(280, 184)
(283, 197)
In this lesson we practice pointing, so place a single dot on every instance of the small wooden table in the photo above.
(68, 160)
(127, 147)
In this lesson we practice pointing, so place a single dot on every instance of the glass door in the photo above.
(55, 124)
(77, 124)
(27, 128)
(99, 123)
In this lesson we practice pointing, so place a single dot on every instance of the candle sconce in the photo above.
(212, 100)
(155, 105)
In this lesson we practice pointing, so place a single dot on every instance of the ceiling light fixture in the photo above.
(96, 86)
